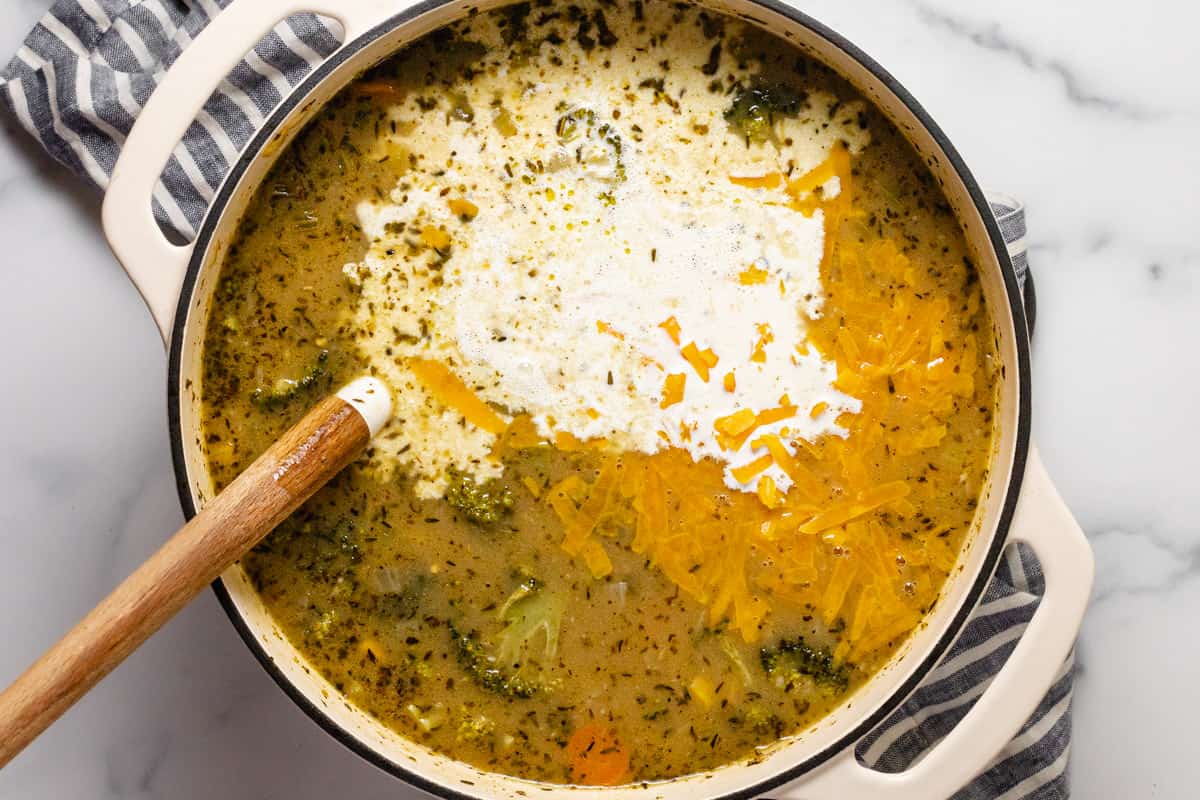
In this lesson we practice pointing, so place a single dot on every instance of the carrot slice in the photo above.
(450, 391)
(597, 757)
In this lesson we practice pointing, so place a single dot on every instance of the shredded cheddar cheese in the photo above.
(436, 238)
(463, 208)
(701, 360)
(671, 326)
(449, 390)
(746, 472)
(772, 180)
(672, 391)
(752, 275)
(736, 423)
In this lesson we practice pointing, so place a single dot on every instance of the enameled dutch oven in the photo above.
(1020, 504)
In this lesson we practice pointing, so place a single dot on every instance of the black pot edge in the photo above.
(991, 558)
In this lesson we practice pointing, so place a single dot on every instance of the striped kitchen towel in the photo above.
(77, 85)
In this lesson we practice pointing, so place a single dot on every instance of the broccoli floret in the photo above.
(284, 390)
(793, 659)
(513, 665)
(475, 728)
(428, 719)
(755, 110)
(482, 503)
(477, 662)
(759, 719)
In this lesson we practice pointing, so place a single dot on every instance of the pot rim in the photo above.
(999, 535)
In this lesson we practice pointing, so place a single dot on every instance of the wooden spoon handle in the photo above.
(328, 438)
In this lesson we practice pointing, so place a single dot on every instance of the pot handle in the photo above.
(1042, 521)
(155, 265)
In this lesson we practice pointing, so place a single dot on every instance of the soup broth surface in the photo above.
(694, 387)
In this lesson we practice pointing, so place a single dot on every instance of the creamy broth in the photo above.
(695, 389)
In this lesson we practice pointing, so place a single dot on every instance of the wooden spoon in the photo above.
(301, 461)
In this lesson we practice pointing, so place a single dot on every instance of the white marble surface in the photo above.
(1087, 110)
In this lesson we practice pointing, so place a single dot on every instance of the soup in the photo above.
(694, 388)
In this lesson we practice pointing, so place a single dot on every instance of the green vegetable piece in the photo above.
(482, 503)
(755, 110)
(514, 665)
(475, 660)
(460, 108)
(760, 719)
(793, 659)
(476, 728)
(581, 122)
(503, 122)
(535, 611)
(284, 390)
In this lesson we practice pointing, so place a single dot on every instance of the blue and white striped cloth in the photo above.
(77, 85)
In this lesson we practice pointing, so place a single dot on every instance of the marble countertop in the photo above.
(1088, 111)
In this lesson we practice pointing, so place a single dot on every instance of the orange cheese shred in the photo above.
(772, 180)
(436, 238)
(746, 472)
(843, 511)
(567, 442)
(730, 382)
(461, 207)
(672, 392)
(737, 423)
(817, 176)
(593, 509)
(771, 415)
(765, 337)
(450, 391)
(701, 360)
(596, 558)
(671, 326)
(532, 486)
(605, 328)
(801, 476)
(752, 275)
(834, 597)
(520, 434)
(768, 492)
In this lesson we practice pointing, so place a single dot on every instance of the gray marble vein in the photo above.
(992, 36)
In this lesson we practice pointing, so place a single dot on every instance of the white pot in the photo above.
(1020, 504)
